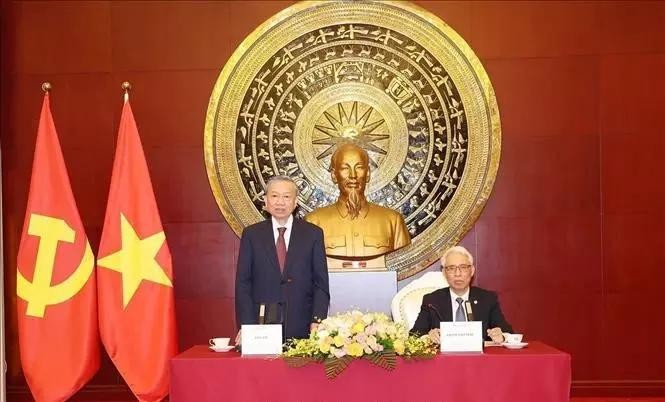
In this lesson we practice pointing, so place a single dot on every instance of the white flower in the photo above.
(360, 338)
(368, 319)
(337, 352)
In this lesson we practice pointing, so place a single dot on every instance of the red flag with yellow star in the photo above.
(134, 273)
(55, 279)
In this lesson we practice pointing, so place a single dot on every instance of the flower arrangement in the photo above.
(373, 336)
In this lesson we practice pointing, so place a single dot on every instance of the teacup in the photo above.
(513, 338)
(219, 342)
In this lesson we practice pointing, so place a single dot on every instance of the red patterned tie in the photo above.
(281, 248)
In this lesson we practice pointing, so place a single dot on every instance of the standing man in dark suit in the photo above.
(282, 264)
(449, 303)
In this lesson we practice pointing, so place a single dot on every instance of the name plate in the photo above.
(262, 340)
(463, 336)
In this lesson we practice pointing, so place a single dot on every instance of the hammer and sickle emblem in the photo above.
(40, 293)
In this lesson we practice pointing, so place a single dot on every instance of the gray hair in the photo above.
(282, 178)
(457, 250)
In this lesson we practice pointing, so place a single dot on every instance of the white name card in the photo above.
(263, 340)
(463, 336)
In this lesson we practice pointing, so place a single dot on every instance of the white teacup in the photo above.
(513, 338)
(219, 342)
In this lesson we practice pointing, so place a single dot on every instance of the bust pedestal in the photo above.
(365, 285)
(352, 264)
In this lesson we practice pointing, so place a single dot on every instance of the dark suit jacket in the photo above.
(484, 304)
(301, 291)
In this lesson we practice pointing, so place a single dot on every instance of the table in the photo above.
(536, 373)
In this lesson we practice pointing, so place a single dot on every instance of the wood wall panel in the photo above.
(546, 96)
(181, 185)
(572, 237)
(204, 259)
(169, 35)
(633, 94)
(246, 16)
(46, 42)
(457, 14)
(634, 253)
(532, 162)
(550, 254)
(514, 29)
(633, 172)
(202, 318)
(631, 27)
(169, 106)
(570, 322)
(80, 104)
(635, 354)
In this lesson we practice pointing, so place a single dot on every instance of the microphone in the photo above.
(469, 311)
(262, 313)
(285, 306)
(431, 307)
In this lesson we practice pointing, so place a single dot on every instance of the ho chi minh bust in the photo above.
(353, 226)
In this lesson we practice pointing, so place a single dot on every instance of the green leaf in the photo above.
(419, 357)
(386, 360)
(299, 361)
(334, 366)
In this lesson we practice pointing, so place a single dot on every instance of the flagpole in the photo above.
(3, 358)
(126, 86)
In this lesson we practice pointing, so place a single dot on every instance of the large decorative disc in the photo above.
(387, 76)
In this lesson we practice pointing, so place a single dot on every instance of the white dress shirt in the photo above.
(455, 305)
(287, 234)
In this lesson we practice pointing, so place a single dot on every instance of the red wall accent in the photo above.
(573, 236)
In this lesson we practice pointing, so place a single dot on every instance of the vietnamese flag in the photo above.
(57, 299)
(134, 273)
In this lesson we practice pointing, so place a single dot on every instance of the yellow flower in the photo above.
(358, 327)
(398, 345)
(339, 341)
(324, 348)
(355, 349)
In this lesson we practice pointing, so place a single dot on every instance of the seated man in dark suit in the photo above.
(448, 304)
(282, 264)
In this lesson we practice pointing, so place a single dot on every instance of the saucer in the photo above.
(221, 349)
(519, 345)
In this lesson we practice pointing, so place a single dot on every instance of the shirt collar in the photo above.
(288, 225)
(465, 296)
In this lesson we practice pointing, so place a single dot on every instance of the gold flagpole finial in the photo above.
(126, 86)
(46, 87)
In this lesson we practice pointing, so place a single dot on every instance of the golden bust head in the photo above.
(349, 169)
(354, 227)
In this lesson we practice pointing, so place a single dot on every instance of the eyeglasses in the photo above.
(464, 268)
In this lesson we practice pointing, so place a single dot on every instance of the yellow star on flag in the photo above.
(135, 261)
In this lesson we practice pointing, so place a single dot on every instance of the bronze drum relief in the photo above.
(388, 77)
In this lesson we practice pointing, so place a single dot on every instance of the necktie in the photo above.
(459, 314)
(281, 248)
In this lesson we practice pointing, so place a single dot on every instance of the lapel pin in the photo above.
(475, 302)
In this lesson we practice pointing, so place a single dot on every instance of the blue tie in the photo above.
(459, 314)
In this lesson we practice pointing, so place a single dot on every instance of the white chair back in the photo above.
(406, 303)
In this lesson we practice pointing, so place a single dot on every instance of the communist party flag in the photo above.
(57, 299)
(134, 273)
